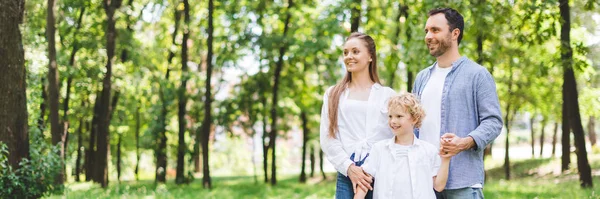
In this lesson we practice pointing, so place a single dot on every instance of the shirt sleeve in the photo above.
(436, 162)
(372, 162)
(489, 113)
(332, 147)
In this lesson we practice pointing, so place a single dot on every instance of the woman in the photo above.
(354, 116)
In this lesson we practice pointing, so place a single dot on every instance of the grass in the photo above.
(532, 178)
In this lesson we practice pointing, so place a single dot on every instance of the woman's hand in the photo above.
(359, 178)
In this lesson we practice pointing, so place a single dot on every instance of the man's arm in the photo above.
(489, 113)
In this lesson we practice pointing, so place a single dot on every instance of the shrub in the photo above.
(35, 177)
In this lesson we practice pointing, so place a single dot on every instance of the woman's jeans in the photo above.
(343, 188)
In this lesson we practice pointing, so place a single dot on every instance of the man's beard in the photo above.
(443, 46)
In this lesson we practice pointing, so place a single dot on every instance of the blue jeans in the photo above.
(343, 188)
(464, 193)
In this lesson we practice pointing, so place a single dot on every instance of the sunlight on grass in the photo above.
(531, 178)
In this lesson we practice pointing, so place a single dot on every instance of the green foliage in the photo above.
(35, 176)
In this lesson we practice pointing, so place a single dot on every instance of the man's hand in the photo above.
(359, 178)
(451, 144)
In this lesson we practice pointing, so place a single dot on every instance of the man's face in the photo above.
(438, 36)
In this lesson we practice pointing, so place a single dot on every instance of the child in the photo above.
(404, 166)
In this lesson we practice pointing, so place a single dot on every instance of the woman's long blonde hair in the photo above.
(336, 91)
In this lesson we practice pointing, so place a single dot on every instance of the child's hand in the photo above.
(444, 141)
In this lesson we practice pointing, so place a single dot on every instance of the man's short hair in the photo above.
(455, 19)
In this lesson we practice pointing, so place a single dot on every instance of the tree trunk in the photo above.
(161, 138)
(90, 155)
(410, 74)
(13, 106)
(42, 106)
(355, 15)
(312, 161)
(507, 121)
(180, 176)
(137, 141)
(321, 159)
(583, 166)
(119, 158)
(266, 145)
(532, 131)
(304, 141)
(103, 141)
(207, 122)
(53, 78)
(79, 148)
(592, 130)
(277, 76)
(542, 132)
(554, 139)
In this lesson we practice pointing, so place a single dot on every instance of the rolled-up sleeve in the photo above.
(332, 147)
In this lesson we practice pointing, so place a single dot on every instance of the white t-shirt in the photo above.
(403, 171)
(431, 99)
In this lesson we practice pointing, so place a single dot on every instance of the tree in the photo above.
(13, 107)
(104, 110)
(207, 122)
(570, 91)
(180, 178)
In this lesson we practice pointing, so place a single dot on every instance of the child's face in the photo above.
(400, 121)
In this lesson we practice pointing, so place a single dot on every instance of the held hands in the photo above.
(450, 144)
(360, 180)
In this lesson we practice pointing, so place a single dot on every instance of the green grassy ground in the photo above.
(535, 178)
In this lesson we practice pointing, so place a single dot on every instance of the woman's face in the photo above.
(356, 55)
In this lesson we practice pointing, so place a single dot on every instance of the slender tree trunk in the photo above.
(13, 107)
(278, 69)
(312, 161)
(90, 155)
(266, 145)
(304, 141)
(161, 139)
(583, 166)
(542, 134)
(355, 15)
(532, 130)
(207, 122)
(180, 176)
(507, 121)
(321, 159)
(137, 141)
(41, 120)
(79, 148)
(103, 141)
(592, 130)
(119, 158)
(554, 139)
(53, 87)
(410, 74)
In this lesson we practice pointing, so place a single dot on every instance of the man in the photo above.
(460, 100)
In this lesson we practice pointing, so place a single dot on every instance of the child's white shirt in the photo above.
(403, 171)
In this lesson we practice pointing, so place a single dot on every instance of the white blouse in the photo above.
(359, 127)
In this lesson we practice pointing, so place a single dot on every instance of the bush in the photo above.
(35, 177)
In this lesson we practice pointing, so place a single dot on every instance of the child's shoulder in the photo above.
(382, 143)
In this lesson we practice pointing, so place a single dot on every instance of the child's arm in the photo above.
(439, 181)
(360, 193)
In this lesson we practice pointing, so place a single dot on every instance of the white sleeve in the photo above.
(332, 147)
(435, 163)
(372, 162)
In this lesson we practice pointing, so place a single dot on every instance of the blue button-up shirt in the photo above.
(470, 107)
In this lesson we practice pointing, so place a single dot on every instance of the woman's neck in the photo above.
(361, 80)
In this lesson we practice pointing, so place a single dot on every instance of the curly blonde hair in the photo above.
(410, 104)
